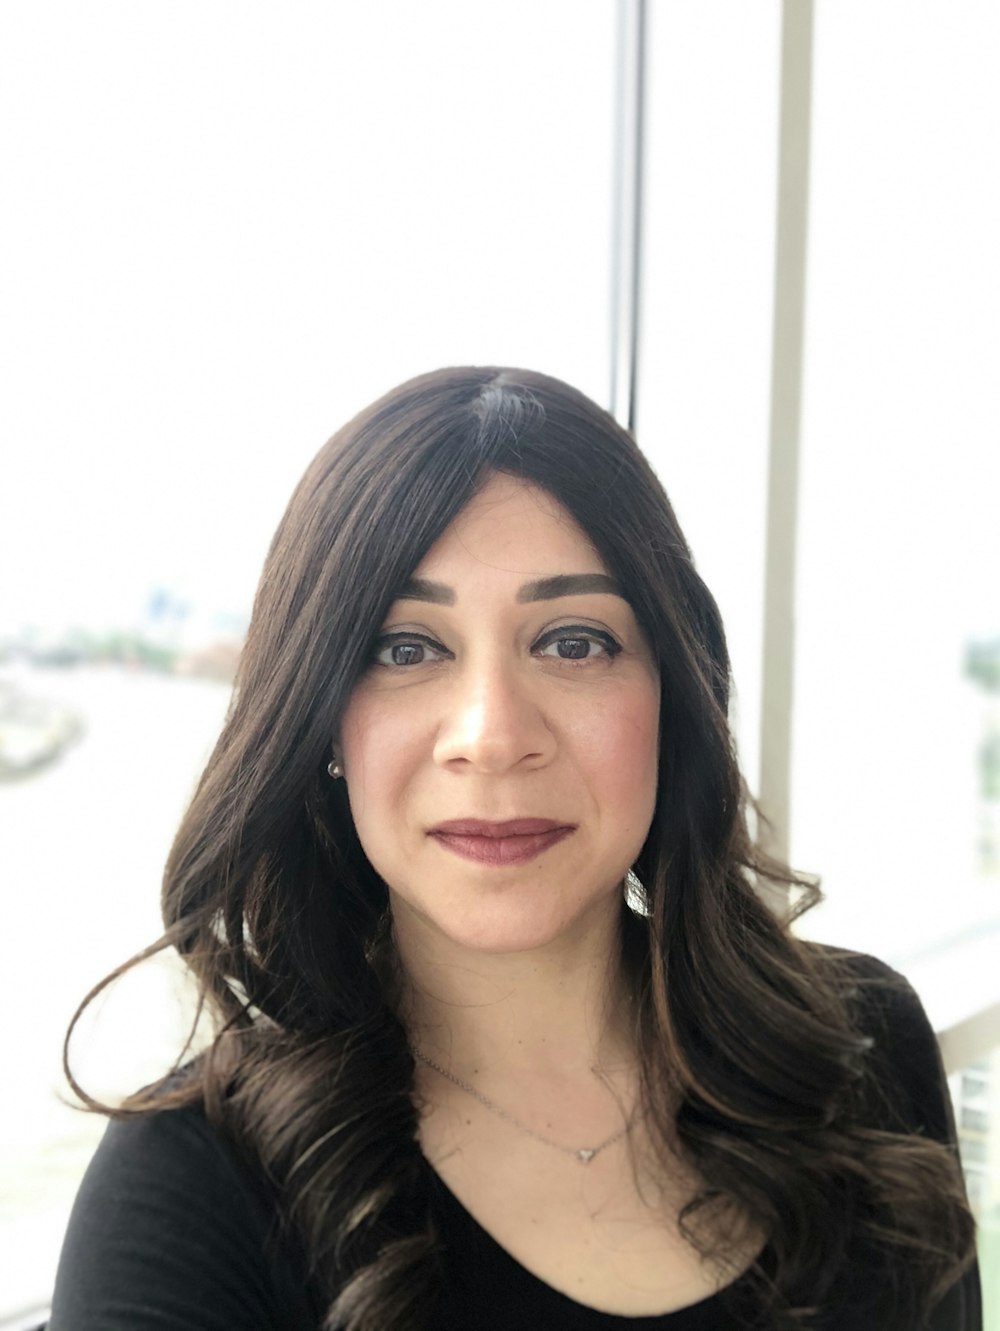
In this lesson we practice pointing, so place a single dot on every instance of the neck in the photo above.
(557, 1012)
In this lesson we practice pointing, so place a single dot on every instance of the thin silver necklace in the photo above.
(583, 1154)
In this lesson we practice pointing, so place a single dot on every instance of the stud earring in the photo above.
(335, 769)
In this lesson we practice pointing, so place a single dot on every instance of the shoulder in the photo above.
(904, 1088)
(906, 1084)
(175, 1160)
(171, 1229)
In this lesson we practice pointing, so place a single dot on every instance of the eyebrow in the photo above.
(569, 584)
(545, 589)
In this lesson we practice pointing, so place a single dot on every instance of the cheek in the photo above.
(380, 748)
(618, 746)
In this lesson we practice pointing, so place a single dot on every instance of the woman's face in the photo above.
(500, 751)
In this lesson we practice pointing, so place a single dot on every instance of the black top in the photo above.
(171, 1232)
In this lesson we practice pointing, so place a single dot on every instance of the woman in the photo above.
(507, 1035)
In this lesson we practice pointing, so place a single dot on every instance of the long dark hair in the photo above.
(272, 902)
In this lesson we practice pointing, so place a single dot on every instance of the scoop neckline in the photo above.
(678, 1318)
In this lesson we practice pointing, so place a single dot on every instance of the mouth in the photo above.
(513, 842)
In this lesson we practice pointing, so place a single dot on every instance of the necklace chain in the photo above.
(583, 1154)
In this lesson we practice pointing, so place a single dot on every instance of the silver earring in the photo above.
(335, 769)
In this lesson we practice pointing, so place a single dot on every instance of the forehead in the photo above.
(512, 526)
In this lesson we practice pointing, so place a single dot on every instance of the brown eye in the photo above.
(402, 650)
(407, 653)
(574, 649)
(577, 643)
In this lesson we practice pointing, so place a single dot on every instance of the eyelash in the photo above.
(565, 632)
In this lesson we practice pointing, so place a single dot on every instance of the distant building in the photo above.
(976, 1098)
(982, 665)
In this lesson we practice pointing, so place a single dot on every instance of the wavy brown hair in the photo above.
(271, 901)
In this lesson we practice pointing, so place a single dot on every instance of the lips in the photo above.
(512, 842)
(513, 827)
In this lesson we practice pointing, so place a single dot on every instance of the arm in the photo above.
(169, 1232)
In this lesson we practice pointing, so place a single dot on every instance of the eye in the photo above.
(577, 642)
(406, 649)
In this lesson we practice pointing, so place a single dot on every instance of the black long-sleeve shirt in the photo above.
(171, 1232)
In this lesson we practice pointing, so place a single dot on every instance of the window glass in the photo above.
(227, 229)
(708, 290)
(976, 1097)
(896, 718)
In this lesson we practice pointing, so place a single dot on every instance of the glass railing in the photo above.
(976, 1095)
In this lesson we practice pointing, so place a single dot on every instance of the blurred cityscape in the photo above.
(982, 667)
(169, 636)
(170, 633)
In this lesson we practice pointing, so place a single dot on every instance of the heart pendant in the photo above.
(584, 1156)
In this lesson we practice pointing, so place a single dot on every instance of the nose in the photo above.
(493, 722)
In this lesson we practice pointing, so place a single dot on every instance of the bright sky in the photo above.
(231, 225)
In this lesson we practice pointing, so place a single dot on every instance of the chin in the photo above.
(505, 931)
